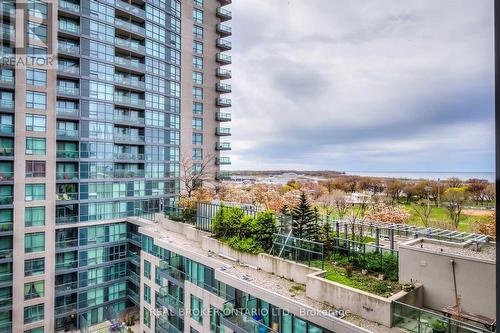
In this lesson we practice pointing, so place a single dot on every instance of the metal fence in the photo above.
(371, 257)
(299, 250)
(205, 212)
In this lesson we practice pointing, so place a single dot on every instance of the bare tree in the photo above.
(423, 210)
(195, 172)
(340, 202)
(455, 198)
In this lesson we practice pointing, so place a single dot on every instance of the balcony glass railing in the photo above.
(129, 82)
(134, 237)
(6, 175)
(6, 227)
(130, 44)
(7, 32)
(129, 101)
(6, 253)
(129, 173)
(5, 277)
(128, 137)
(67, 154)
(6, 199)
(67, 243)
(164, 326)
(172, 271)
(223, 12)
(67, 133)
(64, 308)
(68, 48)
(129, 119)
(221, 175)
(129, 26)
(225, 29)
(133, 296)
(223, 131)
(128, 63)
(66, 219)
(60, 288)
(75, 70)
(222, 72)
(7, 79)
(223, 102)
(7, 104)
(66, 196)
(7, 128)
(223, 160)
(73, 91)
(70, 6)
(130, 8)
(128, 156)
(230, 316)
(223, 146)
(223, 58)
(67, 175)
(223, 44)
(67, 111)
(223, 116)
(61, 266)
(223, 87)
(71, 28)
(169, 300)
(6, 151)
(134, 277)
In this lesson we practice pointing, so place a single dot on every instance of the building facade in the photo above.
(93, 121)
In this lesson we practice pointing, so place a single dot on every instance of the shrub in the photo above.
(264, 228)
(226, 221)
(244, 244)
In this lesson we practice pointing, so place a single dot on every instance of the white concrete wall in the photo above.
(476, 278)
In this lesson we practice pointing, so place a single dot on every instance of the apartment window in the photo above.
(102, 12)
(34, 289)
(147, 269)
(196, 309)
(197, 139)
(34, 192)
(175, 41)
(197, 123)
(198, 47)
(198, 3)
(36, 100)
(35, 52)
(34, 216)
(37, 31)
(196, 169)
(33, 267)
(156, 32)
(35, 169)
(197, 32)
(198, 16)
(35, 146)
(198, 62)
(37, 9)
(101, 71)
(155, 83)
(197, 154)
(175, 89)
(197, 93)
(101, 90)
(34, 242)
(101, 51)
(147, 317)
(147, 293)
(33, 313)
(175, 73)
(155, 49)
(101, 31)
(36, 77)
(197, 108)
(197, 78)
(175, 121)
(36, 123)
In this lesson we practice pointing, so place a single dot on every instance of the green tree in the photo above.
(227, 221)
(263, 229)
(455, 198)
(304, 219)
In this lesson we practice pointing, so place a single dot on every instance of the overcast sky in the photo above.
(379, 85)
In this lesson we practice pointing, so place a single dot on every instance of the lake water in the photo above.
(490, 176)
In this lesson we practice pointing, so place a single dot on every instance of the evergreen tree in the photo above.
(304, 219)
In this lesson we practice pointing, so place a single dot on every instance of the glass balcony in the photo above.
(238, 321)
(6, 129)
(134, 257)
(7, 104)
(223, 175)
(71, 91)
(67, 175)
(61, 288)
(7, 79)
(130, 8)
(223, 58)
(67, 154)
(62, 266)
(71, 28)
(67, 133)
(6, 227)
(7, 32)
(6, 253)
(130, 45)
(169, 301)
(128, 137)
(224, 30)
(8, 8)
(129, 173)
(134, 237)
(223, 44)
(68, 219)
(6, 327)
(122, 118)
(69, 6)
(134, 277)
(134, 297)
(5, 301)
(67, 112)
(6, 175)
(223, 146)
(172, 271)
(127, 64)
(67, 243)
(126, 100)
(6, 151)
(223, 160)
(128, 156)
(223, 131)
(66, 196)
(6, 199)
(65, 308)
(164, 326)
(223, 116)
(224, 14)
(68, 48)
(223, 87)
(226, 2)
(130, 27)
(223, 102)
(73, 70)
(129, 82)
(223, 73)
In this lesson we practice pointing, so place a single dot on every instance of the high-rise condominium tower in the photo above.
(99, 102)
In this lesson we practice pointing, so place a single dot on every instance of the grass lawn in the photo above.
(359, 281)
